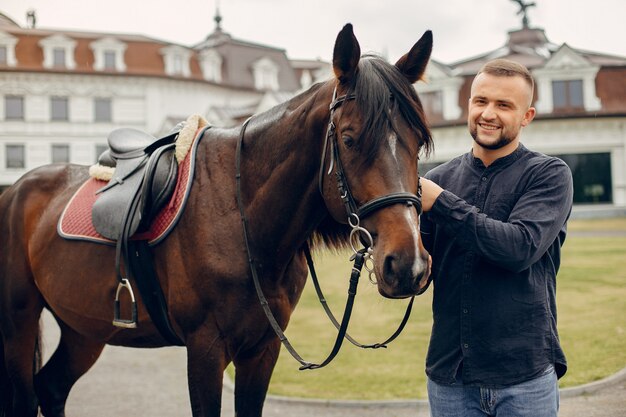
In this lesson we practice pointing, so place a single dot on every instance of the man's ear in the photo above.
(529, 116)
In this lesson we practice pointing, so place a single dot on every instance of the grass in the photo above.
(591, 301)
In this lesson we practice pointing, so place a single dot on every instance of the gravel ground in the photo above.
(153, 383)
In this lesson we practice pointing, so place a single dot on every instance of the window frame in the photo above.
(21, 161)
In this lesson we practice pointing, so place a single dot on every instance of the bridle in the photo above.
(355, 213)
(360, 256)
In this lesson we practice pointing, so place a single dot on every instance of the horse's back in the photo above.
(36, 197)
(42, 185)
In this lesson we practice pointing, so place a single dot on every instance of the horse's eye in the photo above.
(348, 141)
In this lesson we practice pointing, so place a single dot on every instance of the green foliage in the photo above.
(591, 299)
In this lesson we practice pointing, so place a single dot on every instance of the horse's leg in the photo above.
(20, 344)
(252, 379)
(74, 356)
(206, 361)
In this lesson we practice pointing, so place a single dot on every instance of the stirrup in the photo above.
(117, 321)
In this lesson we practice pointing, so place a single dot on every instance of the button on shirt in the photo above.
(495, 235)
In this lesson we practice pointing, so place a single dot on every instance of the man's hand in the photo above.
(430, 192)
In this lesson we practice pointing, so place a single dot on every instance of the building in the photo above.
(62, 92)
(580, 98)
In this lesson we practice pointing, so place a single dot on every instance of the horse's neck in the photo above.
(280, 165)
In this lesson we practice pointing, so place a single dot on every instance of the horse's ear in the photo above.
(346, 55)
(413, 64)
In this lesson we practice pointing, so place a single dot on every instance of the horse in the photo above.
(290, 198)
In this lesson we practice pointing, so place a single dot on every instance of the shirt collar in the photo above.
(500, 162)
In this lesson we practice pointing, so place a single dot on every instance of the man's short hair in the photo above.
(506, 68)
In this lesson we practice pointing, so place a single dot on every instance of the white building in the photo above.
(62, 92)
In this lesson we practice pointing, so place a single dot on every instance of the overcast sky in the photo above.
(307, 29)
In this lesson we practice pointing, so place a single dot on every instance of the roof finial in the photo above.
(522, 10)
(31, 19)
(218, 17)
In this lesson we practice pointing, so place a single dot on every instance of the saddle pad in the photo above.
(75, 222)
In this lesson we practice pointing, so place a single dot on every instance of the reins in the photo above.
(359, 260)
(360, 256)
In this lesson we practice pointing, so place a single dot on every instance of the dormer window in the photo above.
(265, 73)
(566, 83)
(176, 60)
(108, 55)
(439, 96)
(58, 52)
(211, 64)
(7, 50)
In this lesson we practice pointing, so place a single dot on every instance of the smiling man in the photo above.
(494, 223)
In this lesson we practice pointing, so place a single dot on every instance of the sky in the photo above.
(308, 29)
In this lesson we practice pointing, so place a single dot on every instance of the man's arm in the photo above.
(531, 228)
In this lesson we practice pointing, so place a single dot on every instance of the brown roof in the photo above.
(143, 56)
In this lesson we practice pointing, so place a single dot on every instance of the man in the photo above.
(495, 219)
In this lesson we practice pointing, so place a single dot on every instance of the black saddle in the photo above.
(144, 178)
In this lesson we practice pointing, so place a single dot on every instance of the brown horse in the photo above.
(202, 265)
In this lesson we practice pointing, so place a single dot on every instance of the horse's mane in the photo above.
(378, 85)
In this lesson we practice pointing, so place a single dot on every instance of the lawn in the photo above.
(591, 300)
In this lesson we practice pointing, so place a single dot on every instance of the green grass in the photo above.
(591, 300)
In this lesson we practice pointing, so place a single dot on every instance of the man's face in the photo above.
(499, 107)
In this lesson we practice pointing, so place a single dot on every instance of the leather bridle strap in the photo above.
(359, 260)
(331, 316)
(387, 200)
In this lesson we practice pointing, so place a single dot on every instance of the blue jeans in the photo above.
(538, 397)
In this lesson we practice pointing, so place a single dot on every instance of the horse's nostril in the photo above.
(390, 268)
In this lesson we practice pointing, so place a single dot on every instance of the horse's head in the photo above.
(369, 175)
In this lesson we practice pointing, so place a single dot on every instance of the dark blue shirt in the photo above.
(495, 236)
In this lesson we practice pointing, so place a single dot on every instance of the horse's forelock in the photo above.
(380, 88)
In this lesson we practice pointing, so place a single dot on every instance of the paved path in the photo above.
(152, 383)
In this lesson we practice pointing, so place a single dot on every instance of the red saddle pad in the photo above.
(75, 222)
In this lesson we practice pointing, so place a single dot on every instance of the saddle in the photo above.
(144, 178)
(144, 174)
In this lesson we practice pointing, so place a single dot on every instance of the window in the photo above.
(432, 103)
(108, 54)
(109, 60)
(176, 60)
(102, 110)
(568, 95)
(14, 108)
(15, 156)
(58, 52)
(58, 57)
(265, 73)
(211, 64)
(592, 177)
(59, 108)
(7, 49)
(60, 153)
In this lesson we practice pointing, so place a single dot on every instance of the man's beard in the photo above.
(500, 143)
